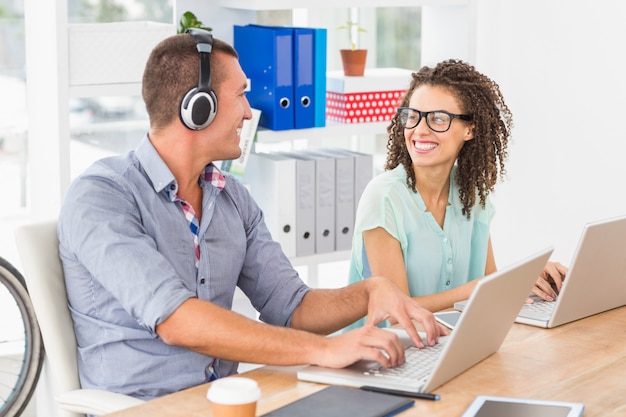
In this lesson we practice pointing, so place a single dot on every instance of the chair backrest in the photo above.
(38, 247)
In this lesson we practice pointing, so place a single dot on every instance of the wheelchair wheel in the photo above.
(21, 346)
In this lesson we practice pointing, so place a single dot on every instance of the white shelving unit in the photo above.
(445, 27)
(331, 129)
(445, 16)
(297, 4)
(96, 50)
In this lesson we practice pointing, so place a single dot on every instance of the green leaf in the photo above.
(189, 20)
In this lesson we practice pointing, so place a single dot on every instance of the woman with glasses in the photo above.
(424, 222)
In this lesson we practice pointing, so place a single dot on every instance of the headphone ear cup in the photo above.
(198, 109)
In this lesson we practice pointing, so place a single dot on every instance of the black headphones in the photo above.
(199, 106)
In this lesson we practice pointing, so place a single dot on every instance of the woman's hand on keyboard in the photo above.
(548, 285)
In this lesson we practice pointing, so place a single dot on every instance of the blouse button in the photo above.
(202, 281)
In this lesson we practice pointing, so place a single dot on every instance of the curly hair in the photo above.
(481, 160)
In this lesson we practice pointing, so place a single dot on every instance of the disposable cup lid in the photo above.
(234, 390)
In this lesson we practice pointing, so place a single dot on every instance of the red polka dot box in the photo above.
(373, 97)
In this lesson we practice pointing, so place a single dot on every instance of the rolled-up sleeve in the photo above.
(110, 253)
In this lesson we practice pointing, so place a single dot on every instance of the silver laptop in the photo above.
(594, 282)
(487, 318)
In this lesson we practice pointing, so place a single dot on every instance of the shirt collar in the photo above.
(155, 168)
(213, 176)
(161, 176)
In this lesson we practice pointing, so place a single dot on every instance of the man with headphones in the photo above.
(154, 243)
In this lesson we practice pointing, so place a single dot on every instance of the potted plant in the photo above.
(353, 59)
(189, 20)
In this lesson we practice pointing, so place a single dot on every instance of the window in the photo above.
(107, 125)
(393, 34)
(100, 11)
(398, 40)
(12, 107)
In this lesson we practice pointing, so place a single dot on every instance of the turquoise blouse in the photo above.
(435, 259)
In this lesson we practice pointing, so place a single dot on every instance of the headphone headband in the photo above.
(204, 45)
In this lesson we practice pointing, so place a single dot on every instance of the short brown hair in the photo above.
(171, 71)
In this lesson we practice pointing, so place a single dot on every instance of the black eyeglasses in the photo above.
(437, 120)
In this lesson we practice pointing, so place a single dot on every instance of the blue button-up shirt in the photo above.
(129, 262)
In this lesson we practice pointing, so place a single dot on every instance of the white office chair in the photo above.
(38, 247)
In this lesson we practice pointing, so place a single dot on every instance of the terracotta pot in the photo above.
(353, 61)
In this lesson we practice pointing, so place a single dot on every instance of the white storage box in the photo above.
(112, 53)
(374, 79)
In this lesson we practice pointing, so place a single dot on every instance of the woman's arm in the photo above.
(385, 258)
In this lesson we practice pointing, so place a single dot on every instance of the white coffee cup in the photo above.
(234, 397)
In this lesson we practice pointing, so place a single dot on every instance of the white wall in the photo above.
(560, 67)
(446, 33)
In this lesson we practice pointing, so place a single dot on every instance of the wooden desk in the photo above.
(583, 361)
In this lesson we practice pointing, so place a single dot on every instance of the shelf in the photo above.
(100, 90)
(109, 58)
(330, 130)
(294, 4)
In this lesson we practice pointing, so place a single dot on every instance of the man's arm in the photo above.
(325, 311)
(214, 331)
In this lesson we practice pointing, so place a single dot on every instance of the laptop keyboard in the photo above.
(538, 309)
(417, 366)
